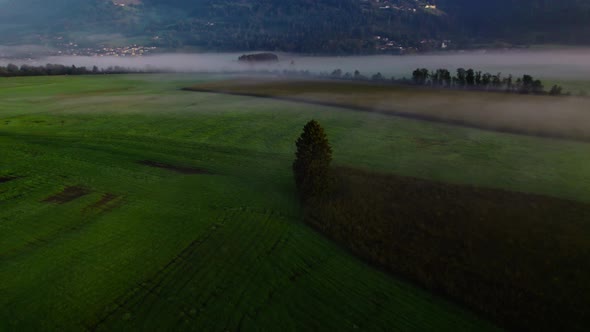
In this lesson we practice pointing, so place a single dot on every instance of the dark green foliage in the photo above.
(420, 76)
(470, 77)
(519, 259)
(475, 80)
(359, 76)
(377, 77)
(461, 77)
(336, 73)
(556, 90)
(12, 70)
(312, 163)
(442, 77)
(526, 84)
(259, 57)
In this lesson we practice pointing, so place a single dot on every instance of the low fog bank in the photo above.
(557, 64)
(537, 115)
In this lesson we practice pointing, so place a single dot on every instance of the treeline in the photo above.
(462, 79)
(13, 70)
(478, 80)
(501, 253)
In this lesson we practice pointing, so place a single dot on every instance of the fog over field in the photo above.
(573, 63)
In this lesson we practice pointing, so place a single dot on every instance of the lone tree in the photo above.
(312, 163)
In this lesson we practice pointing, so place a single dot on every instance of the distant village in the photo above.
(403, 5)
(72, 48)
(389, 45)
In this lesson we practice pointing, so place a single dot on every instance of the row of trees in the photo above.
(13, 70)
(442, 78)
(472, 79)
(462, 79)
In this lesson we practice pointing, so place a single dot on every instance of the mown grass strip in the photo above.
(521, 259)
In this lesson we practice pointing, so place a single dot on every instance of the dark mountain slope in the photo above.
(290, 25)
(523, 21)
(314, 26)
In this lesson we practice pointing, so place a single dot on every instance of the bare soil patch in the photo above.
(67, 195)
(174, 168)
(4, 179)
(107, 202)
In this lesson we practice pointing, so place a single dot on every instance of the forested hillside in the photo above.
(332, 26)
(352, 25)
(523, 21)
(44, 22)
(311, 26)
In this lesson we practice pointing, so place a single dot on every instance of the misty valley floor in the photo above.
(543, 116)
(128, 204)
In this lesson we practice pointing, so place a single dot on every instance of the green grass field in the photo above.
(92, 238)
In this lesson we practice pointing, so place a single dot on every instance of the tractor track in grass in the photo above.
(254, 244)
(138, 294)
(190, 265)
(293, 278)
(399, 114)
(107, 203)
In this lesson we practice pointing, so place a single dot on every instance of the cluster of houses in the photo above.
(388, 45)
(124, 3)
(403, 5)
(72, 48)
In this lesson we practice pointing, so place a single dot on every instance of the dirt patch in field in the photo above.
(4, 179)
(105, 200)
(67, 195)
(174, 168)
(106, 203)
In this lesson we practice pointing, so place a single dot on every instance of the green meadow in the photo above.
(128, 204)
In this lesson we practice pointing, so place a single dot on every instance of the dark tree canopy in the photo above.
(477, 80)
(312, 163)
(12, 70)
(259, 57)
